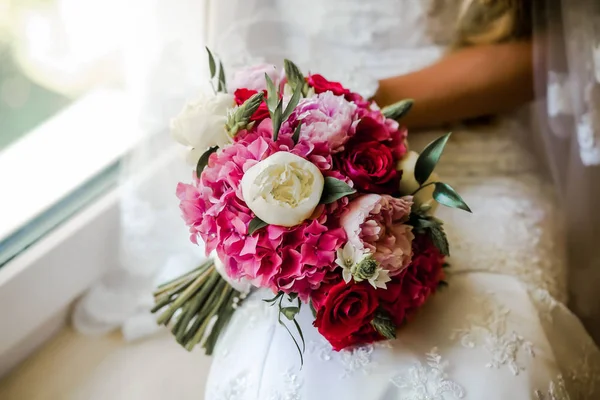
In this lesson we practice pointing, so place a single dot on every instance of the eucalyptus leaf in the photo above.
(446, 195)
(384, 325)
(222, 82)
(203, 161)
(334, 189)
(296, 135)
(398, 110)
(272, 95)
(255, 225)
(429, 158)
(212, 66)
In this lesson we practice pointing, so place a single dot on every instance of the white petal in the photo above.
(347, 275)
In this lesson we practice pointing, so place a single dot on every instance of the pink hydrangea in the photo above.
(253, 77)
(294, 260)
(375, 224)
(325, 118)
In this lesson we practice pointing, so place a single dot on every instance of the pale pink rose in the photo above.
(376, 224)
(325, 118)
(253, 77)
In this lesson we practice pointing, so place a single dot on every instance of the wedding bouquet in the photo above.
(306, 189)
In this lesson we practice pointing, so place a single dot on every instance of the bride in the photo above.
(501, 329)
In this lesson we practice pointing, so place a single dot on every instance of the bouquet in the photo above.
(306, 189)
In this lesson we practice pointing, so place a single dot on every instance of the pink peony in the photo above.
(375, 224)
(253, 78)
(325, 118)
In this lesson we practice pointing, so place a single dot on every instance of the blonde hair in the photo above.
(493, 21)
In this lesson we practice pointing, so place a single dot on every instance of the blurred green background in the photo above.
(23, 103)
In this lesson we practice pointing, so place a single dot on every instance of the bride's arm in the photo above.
(468, 83)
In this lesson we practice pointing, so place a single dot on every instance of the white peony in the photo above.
(283, 189)
(201, 124)
(408, 183)
(241, 285)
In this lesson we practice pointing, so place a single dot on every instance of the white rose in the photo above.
(283, 189)
(241, 285)
(201, 124)
(408, 183)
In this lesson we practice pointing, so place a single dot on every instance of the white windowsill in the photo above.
(37, 286)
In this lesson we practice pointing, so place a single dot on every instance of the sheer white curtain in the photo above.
(165, 64)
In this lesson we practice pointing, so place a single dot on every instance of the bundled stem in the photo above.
(201, 304)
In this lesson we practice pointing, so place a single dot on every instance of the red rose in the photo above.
(371, 166)
(241, 95)
(321, 85)
(345, 316)
(408, 291)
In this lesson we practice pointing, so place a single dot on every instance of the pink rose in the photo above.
(325, 118)
(375, 224)
(253, 78)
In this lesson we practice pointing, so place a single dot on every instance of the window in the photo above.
(65, 118)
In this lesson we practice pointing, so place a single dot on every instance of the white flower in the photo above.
(201, 124)
(283, 189)
(408, 183)
(241, 285)
(347, 257)
(361, 265)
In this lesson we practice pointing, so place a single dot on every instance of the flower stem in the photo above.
(422, 187)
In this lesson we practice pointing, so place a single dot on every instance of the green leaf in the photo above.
(296, 135)
(334, 189)
(255, 225)
(290, 312)
(203, 161)
(272, 95)
(211, 64)
(294, 76)
(384, 325)
(429, 158)
(446, 195)
(300, 351)
(222, 82)
(274, 299)
(312, 309)
(301, 335)
(398, 110)
(438, 237)
(277, 120)
(289, 109)
(442, 285)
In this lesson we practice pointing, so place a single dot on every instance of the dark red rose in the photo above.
(408, 291)
(365, 335)
(371, 166)
(241, 95)
(345, 315)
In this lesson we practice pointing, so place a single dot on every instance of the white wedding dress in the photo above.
(500, 330)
